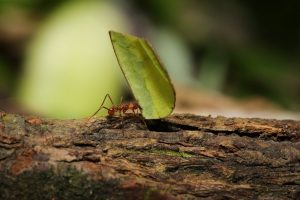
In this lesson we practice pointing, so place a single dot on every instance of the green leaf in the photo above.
(147, 78)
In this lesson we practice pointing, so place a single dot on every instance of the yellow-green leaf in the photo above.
(147, 78)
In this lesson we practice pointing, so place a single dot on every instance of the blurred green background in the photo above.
(56, 59)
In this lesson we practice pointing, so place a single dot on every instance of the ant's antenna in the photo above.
(121, 99)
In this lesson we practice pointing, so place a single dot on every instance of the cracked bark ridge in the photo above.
(180, 157)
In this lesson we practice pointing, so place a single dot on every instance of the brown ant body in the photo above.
(120, 109)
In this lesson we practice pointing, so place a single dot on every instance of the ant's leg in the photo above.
(119, 119)
(121, 100)
(101, 106)
(143, 120)
(97, 112)
(138, 112)
(124, 111)
(120, 111)
(107, 95)
(134, 113)
(122, 119)
(141, 117)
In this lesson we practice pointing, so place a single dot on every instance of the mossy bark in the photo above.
(180, 157)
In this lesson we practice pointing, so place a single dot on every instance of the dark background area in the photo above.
(237, 48)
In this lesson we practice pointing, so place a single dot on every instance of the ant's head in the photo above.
(111, 111)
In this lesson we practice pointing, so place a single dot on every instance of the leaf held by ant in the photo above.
(146, 76)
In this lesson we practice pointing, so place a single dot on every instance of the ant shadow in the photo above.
(130, 121)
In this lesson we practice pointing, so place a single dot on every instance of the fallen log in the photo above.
(179, 157)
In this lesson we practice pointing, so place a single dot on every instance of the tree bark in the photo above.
(179, 157)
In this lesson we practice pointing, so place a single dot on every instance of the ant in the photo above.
(121, 109)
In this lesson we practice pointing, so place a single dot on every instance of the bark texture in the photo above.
(180, 157)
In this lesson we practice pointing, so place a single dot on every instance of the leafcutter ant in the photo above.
(120, 109)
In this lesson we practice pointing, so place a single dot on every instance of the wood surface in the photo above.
(179, 157)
